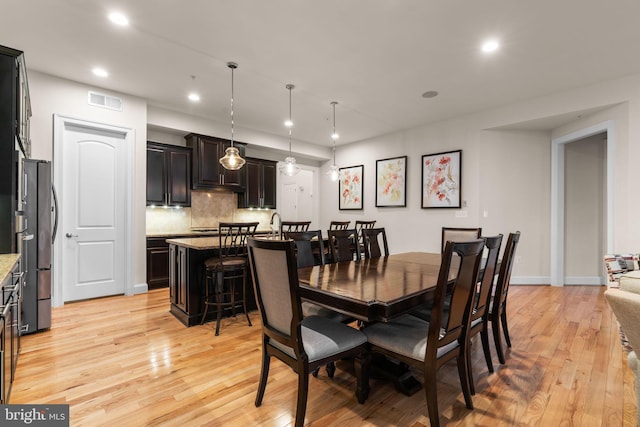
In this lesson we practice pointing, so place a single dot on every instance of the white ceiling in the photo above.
(375, 57)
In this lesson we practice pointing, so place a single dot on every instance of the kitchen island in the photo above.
(186, 278)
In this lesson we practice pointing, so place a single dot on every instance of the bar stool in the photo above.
(339, 225)
(286, 226)
(223, 272)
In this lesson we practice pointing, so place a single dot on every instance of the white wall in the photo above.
(505, 172)
(51, 95)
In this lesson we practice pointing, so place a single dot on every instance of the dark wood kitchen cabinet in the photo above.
(168, 175)
(15, 143)
(208, 173)
(178, 278)
(157, 262)
(10, 322)
(260, 191)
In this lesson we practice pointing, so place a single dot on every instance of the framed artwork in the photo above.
(391, 182)
(442, 179)
(350, 188)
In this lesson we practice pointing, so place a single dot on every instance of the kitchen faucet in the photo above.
(275, 231)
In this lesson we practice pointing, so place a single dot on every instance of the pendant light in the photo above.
(232, 159)
(334, 172)
(289, 166)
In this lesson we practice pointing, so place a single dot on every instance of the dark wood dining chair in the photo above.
(339, 225)
(223, 272)
(480, 309)
(306, 256)
(375, 242)
(286, 226)
(303, 343)
(456, 234)
(428, 345)
(306, 242)
(360, 225)
(343, 245)
(498, 309)
(309, 247)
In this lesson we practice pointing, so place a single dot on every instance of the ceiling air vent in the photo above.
(105, 101)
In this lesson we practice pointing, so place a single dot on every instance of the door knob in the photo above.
(69, 235)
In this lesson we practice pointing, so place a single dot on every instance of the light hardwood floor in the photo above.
(126, 361)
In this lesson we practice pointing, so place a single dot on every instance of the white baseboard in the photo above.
(530, 280)
(584, 280)
(140, 288)
(546, 280)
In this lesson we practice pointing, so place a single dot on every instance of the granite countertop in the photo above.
(7, 262)
(200, 243)
(193, 234)
(187, 233)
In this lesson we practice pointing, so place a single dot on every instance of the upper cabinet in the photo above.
(168, 175)
(261, 185)
(208, 173)
(15, 144)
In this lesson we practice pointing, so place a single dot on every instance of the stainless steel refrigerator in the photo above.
(37, 239)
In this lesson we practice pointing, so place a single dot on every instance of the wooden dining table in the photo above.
(375, 289)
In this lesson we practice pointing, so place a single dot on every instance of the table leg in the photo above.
(398, 372)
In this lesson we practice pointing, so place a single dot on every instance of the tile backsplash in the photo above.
(206, 211)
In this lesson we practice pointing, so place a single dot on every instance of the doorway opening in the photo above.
(559, 198)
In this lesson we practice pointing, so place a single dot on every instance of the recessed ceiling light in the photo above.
(194, 97)
(490, 46)
(100, 72)
(119, 19)
(430, 94)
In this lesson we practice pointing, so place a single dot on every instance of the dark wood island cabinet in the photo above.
(186, 279)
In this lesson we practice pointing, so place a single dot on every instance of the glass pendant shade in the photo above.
(334, 172)
(289, 166)
(232, 159)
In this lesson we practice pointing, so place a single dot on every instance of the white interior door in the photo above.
(295, 197)
(93, 212)
(289, 205)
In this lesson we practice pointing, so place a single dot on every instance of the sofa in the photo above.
(625, 303)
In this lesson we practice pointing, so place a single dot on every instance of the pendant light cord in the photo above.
(290, 87)
(232, 106)
(333, 135)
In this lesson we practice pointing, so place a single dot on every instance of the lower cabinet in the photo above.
(9, 331)
(157, 263)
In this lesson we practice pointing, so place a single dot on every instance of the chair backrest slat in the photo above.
(344, 245)
(504, 277)
(233, 237)
(483, 297)
(294, 226)
(457, 234)
(309, 247)
(371, 241)
(444, 330)
(275, 282)
(339, 225)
